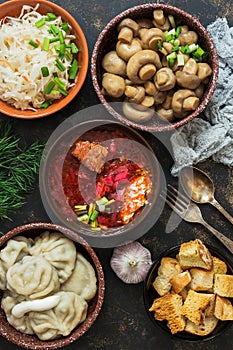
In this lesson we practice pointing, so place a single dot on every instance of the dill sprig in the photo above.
(18, 169)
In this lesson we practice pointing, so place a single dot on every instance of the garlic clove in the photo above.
(131, 262)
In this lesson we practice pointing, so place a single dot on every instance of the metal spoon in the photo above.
(200, 188)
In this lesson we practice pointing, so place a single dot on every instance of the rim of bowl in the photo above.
(29, 340)
(181, 336)
(28, 114)
(164, 126)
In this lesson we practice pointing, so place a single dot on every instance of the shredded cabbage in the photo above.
(22, 83)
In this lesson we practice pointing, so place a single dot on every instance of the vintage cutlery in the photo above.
(190, 212)
(200, 188)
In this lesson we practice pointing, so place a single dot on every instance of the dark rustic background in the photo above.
(123, 323)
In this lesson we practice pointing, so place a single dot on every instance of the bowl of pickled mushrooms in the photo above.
(154, 67)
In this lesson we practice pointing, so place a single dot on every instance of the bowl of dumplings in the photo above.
(52, 286)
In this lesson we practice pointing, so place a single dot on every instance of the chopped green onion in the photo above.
(175, 48)
(54, 92)
(185, 49)
(102, 201)
(46, 104)
(171, 59)
(199, 54)
(53, 40)
(40, 22)
(193, 47)
(62, 50)
(170, 38)
(84, 217)
(45, 71)
(49, 87)
(73, 69)
(61, 37)
(45, 45)
(80, 206)
(55, 74)
(60, 65)
(160, 44)
(69, 55)
(94, 215)
(111, 201)
(54, 29)
(33, 43)
(65, 27)
(62, 85)
(62, 91)
(50, 16)
(177, 42)
(178, 31)
(74, 48)
(180, 59)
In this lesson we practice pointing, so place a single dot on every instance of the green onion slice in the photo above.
(73, 69)
(45, 71)
(60, 65)
(40, 22)
(45, 45)
(49, 87)
(50, 16)
(46, 104)
(33, 43)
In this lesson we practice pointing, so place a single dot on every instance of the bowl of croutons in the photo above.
(188, 291)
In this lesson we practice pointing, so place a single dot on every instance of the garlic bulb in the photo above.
(131, 262)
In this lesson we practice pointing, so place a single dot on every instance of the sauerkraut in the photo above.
(37, 53)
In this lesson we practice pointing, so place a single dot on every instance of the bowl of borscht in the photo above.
(101, 179)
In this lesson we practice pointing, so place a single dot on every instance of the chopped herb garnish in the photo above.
(61, 37)
(53, 40)
(49, 87)
(160, 44)
(65, 27)
(73, 69)
(54, 29)
(33, 43)
(40, 22)
(74, 48)
(46, 104)
(45, 71)
(60, 65)
(45, 45)
(50, 16)
(59, 82)
(62, 91)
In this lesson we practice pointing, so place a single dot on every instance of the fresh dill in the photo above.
(19, 166)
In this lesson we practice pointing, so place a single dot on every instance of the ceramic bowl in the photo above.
(33, 342)
(107, 41)
(149, 294)
(51, 178)
(13, 8)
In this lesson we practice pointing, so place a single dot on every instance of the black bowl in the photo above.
(149, 294)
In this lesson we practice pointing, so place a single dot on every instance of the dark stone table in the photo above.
(123, 323)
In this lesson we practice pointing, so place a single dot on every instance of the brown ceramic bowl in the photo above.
(33, 342)
(107, 41)
(12, 8)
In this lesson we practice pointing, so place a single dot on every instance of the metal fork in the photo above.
(190, 212)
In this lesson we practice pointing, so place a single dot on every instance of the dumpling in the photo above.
(22, 324)
(14, 251)
(33, 277)
(83, 279)
(58, 250)
(62, 319)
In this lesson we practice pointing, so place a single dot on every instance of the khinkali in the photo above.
(13, 252)
(22, 324)
(83, 279)
(33, 277)
(62, 319)
(58, 250)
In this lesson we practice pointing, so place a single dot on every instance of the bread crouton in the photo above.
(198, 305)
(219, 266)
(223, 309)
(201, 280)
(223, 285)
(180, 281)
(162, 285)
(195, 254)
(205, 328)
(169, 267)
(168, 308)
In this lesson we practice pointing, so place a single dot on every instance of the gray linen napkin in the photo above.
(211, 138)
